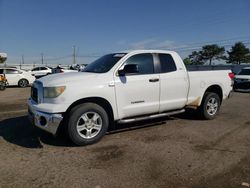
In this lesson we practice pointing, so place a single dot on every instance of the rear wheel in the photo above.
(210, 105)
(23, 83)
(87, 124)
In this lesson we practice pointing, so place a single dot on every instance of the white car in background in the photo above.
(63, 70)
(41, 71)
(17, 77)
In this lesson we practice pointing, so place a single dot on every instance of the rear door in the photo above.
(138, 94)
(174, 84)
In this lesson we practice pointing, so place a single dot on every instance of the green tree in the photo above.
(196, 58)
(2, 59)
(211, 52)
(238, 54)
(187, 61)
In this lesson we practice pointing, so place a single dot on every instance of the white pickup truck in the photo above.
(121, 88)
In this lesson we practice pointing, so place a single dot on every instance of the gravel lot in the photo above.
(180, 151)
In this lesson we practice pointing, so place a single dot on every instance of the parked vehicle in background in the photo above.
(17, 77)
(242, 80)
(124, 88)
(60, 69)
(41, 71)
(77, 67)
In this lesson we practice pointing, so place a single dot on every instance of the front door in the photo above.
(139, 93)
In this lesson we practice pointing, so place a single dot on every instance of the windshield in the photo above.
(244, 72)
(104, 64)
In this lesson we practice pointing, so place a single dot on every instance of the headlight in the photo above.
(53, 92)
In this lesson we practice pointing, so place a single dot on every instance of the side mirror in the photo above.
(128, 69)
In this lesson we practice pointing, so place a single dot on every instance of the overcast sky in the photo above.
(96, 27)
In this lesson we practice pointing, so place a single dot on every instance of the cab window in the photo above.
(145, 63)
(167, 63)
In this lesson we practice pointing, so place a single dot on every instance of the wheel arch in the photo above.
(97, 100)
(215, 89)
(23, 78)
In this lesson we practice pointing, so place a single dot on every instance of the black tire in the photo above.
(2, 86)
(75, 116)
(23, 83)
(205, 110)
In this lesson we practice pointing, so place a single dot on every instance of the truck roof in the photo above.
(147, 51)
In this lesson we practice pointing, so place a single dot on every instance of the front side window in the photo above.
(103, 64)
(11, 71)
(1, 71)
(167, 63)
(35, 69)
(144, 62)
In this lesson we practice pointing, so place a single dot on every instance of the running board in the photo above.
(123, 121)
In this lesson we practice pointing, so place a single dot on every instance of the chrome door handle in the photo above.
(154, 80)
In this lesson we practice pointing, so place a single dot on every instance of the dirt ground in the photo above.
(179, 151)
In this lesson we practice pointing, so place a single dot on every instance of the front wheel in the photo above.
(210, 105)
(87, 124)
(2, 86)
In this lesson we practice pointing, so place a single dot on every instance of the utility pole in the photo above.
(74, 54)
(22, 59)
(42, 58)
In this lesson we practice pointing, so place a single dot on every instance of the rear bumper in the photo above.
(242, 86)
(242, 90)
(45, 121)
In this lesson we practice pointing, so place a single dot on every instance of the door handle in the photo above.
(154, 80)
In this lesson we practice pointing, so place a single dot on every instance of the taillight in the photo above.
(231, 75)
(61, 71)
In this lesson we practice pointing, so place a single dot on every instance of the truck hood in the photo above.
(62, 79)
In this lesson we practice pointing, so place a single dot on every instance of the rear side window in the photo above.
(1, 71)
(145, 63)
(43, 68)
(167, 63)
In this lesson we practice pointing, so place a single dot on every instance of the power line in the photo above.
(194, 46)
(183, 48)
(58, 58)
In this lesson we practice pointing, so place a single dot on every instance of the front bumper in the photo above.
(45, 121)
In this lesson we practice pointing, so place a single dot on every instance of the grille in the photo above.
(34, 94)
